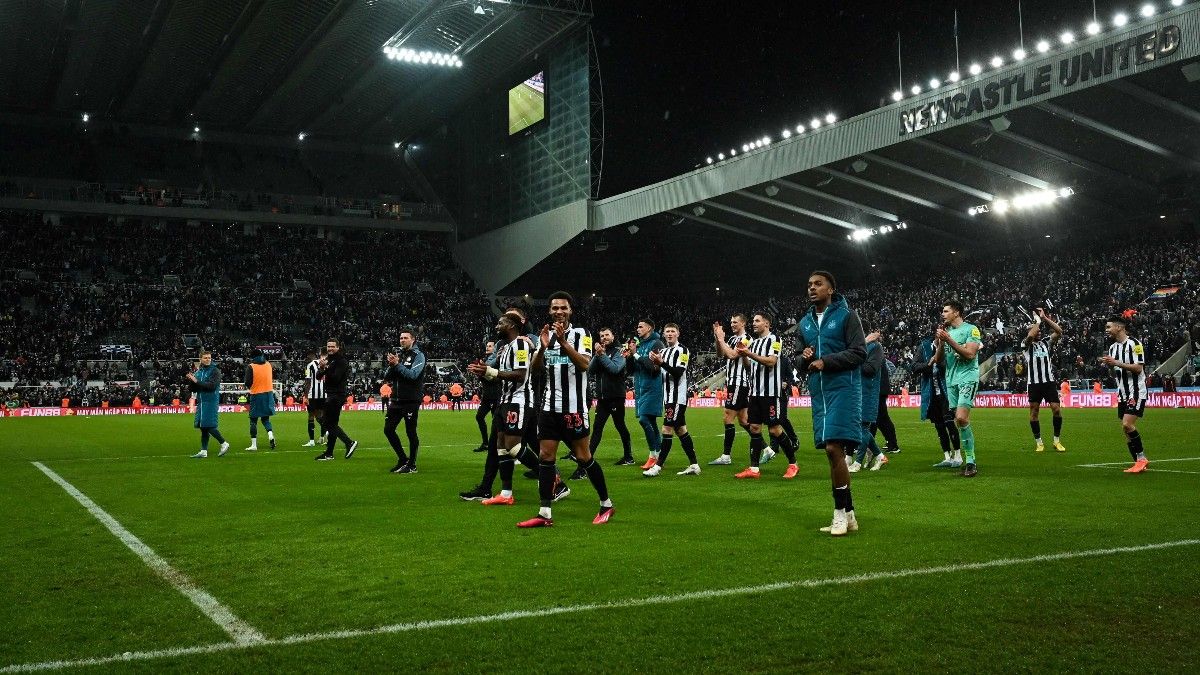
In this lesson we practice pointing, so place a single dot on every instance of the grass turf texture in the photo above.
(294, 546)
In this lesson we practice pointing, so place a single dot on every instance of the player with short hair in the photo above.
(960, 345)
(335, 369)
(674, 363)
(406, 375)
(766, 382)
(489, 394)
(1127, 357)
(259, 380)
(564, 354)
(737, 381)
(647, 385)
(314, 396)
(205, 380)
(832, 349)
(1042, 386)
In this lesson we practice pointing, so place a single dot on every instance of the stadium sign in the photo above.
(993, 97)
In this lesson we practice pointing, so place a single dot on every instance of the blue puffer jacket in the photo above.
(647, 377)
(208, 396)
(871, 379)
(837, 390)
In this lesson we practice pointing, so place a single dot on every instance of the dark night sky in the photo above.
(683, 80)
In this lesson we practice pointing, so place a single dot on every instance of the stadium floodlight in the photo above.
(814, 123)
(396, 145)
(1019, 54)
(195, 130)
(1093, 28)
(799, 128)
(86, 117)
(975, 69)
(954, 76)
(766, 140)
(733, 152)
(916, 89)
(1065, 192)
(972, 211)
(935, 83)
(301, 136)
(830, 118)
(1120, 19)
(1043, 46)
(1067, 37)
(720, 156)
(897, 95)
(745, 148)
(1176, 3)
(425, 56)
(1000, 205)
(1148, 10)
(709, 160)
(786, 133)
(997, 61)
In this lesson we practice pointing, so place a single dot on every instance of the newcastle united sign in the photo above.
(990, 98)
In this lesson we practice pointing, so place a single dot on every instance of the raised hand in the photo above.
(545, 334)
(719, 331)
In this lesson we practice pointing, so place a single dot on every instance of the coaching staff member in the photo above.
(335, 368)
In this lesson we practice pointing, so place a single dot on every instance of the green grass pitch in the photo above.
(295, 547)
(526, 106)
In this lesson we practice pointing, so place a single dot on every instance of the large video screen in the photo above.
(527, 103)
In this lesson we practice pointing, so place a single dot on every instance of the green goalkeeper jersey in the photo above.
(962, 371)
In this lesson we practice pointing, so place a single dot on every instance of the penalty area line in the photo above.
(241, 632)
(628, 603)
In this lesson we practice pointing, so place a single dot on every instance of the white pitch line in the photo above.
(627, 603)
(1127, 462)
(243, 634)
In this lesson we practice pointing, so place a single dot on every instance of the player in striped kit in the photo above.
(1127, 357)
(674, 362)
(513, 407)
(314, 392)
(564, 355)
(737, 381)
(1042, 386)
(766, 382)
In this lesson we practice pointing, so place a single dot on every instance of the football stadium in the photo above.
(327, 343)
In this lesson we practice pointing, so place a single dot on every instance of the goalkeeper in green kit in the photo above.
(959, 344)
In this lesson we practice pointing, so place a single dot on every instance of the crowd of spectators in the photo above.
(156, 291)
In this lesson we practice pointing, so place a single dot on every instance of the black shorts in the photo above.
(763, 410)
(562, 427)
(403, 411)
(783, 407)
(316, 405)
(737, 398)
(512, 418)
(675, 415)
(939, 409)
(1045, 392)
(1136, 408)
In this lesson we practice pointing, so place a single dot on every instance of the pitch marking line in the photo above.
(615, 604)
(1105, 465)
(243, 634)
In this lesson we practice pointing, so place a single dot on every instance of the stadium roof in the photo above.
(1122, 134)
(269, 66)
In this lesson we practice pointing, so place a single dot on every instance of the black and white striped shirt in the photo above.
(316, 385)
(675, 389)
(766, 380)
(514, 356)
(1130, 385)
(736, 372)
(1037, 360)
(566, 389)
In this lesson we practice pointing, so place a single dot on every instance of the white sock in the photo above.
(754, 469)
(1056, 439)
(271, 435)
(947, 456)
(545, 512)
(958, 455)
(606, 504)
(839, 512)
(254, 442)
(726, 457)
(654, 454)
(506, 493)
